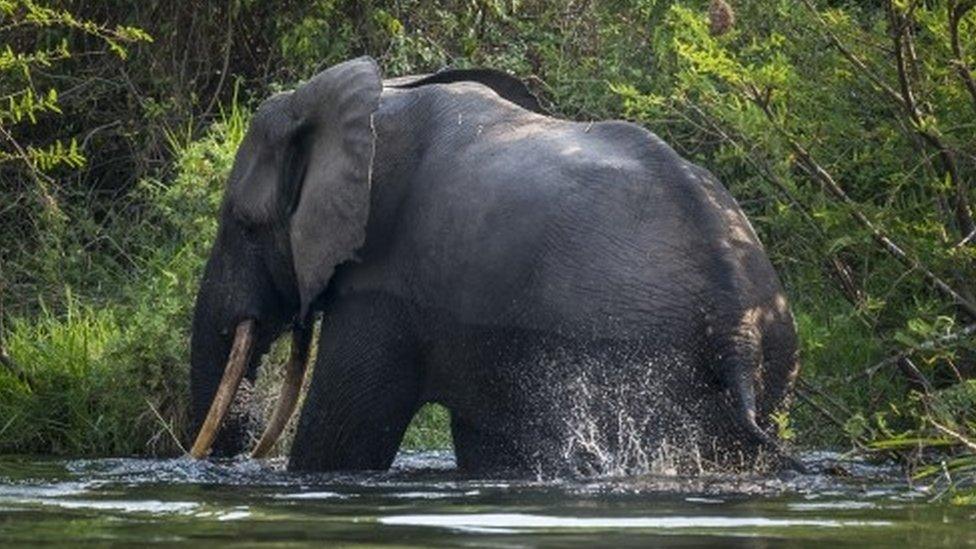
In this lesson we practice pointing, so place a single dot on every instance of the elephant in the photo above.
(576, 294)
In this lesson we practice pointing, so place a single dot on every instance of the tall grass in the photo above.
(72, 397)
(107, 374)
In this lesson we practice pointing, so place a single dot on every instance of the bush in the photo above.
(72, 398)
(111, 377)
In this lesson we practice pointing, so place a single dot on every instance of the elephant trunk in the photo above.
(237, 362)
(240, 297)
(236, 318)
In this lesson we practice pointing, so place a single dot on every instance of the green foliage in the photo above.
(108, 378)
(430, 428)
(73, 401)
(945, 421)
(20, 99)
(770, 115)
(33, 220)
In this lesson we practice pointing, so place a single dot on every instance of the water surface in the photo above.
(423, 502)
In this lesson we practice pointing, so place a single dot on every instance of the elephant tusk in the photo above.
(237, 361)
(290, 388)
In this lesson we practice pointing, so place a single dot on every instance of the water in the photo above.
(423, 502)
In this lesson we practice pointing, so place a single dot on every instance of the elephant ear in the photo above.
(264, 173)
(338, 143)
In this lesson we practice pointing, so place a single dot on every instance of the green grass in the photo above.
(107, 367)
(835, 344)
(430, 428)
(75, 400)
(943, 421)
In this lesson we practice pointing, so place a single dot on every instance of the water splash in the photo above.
(643, 419)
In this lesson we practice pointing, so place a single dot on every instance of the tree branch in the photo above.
(905, 99)
(956, 13)
(817, 172)
(954, 434)
(853, 59)
(926, 345)
(804, 392)
(901, 40)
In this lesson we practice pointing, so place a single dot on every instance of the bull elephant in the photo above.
(575, 294)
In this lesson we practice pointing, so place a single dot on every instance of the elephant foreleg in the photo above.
(363, 393)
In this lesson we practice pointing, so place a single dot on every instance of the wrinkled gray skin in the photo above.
(576, 294)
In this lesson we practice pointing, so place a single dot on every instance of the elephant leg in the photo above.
(509, 447)
(525, 453)
(478, 451)
(365, 389)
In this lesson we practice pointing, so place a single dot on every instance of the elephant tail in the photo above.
(740, 359)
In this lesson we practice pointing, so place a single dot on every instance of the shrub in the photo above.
(111, 377)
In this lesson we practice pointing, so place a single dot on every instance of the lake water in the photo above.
(423, 502)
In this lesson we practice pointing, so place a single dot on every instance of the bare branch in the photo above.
(854, 59)
(804, 391)
(927, 345)
(906, 100)
(816, 171)
(228, 43)
(901, 39)
(954, 434)
(956, 13)
(966, 240)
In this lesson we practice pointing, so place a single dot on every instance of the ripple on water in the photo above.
(239, 513)
(326, 495)
(839, 505)
(65, 495)
(174, 499)
(434, 495)
(518, 521)
(710, 501)
(184, 471)
(431, 475)
(125, 506)
(27, 490)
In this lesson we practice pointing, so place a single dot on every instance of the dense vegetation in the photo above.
(846, 130)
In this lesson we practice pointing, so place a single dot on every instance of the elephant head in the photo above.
(295, 206)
